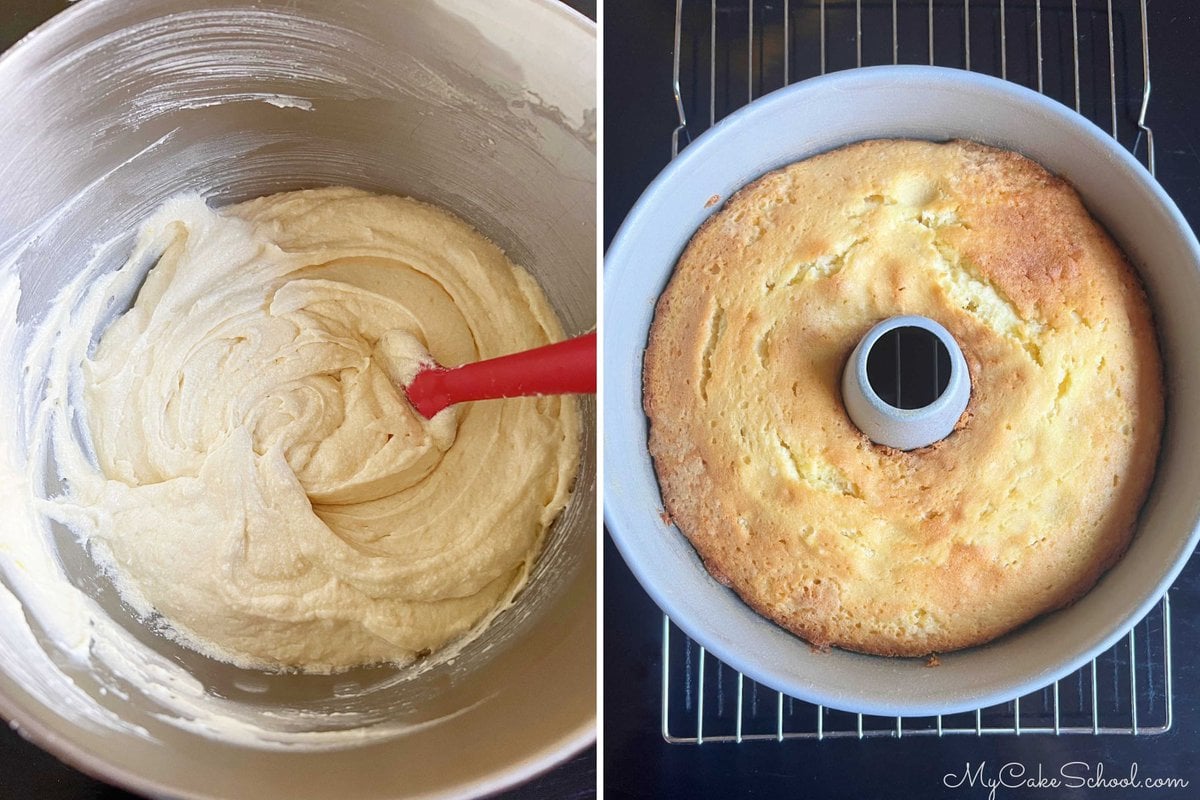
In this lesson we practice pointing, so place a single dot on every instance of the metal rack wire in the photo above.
(1091, 54)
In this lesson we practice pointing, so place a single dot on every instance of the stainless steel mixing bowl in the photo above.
(487, 109)
(818, 115)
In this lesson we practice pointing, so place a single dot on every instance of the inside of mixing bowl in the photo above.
(366, 695)
(255, 121)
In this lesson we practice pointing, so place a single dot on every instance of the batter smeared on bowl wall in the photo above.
(260, 482)
(852, 544)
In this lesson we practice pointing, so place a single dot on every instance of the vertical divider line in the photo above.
(820, 723)
(1095, 701)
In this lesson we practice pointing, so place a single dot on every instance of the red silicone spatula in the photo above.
(564, 368)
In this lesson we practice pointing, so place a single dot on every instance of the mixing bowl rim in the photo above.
(80, 757)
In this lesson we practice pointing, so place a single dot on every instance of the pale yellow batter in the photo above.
(263, 485)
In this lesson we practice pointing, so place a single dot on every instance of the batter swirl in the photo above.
(258, 480)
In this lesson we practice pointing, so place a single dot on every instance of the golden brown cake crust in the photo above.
(855, 545)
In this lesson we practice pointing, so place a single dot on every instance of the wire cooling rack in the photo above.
(1092, 55)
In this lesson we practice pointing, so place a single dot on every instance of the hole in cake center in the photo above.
(908, 367)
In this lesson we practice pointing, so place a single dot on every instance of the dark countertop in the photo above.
(639, 118)
(29, 773)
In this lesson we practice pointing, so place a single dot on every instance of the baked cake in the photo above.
(851, 544)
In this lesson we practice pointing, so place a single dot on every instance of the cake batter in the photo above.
(259, 482)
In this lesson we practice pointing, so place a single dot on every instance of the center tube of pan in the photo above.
(906, 384)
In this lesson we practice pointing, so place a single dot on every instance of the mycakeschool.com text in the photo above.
(990, 780)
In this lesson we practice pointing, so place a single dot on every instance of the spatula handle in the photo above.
(563, 368)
